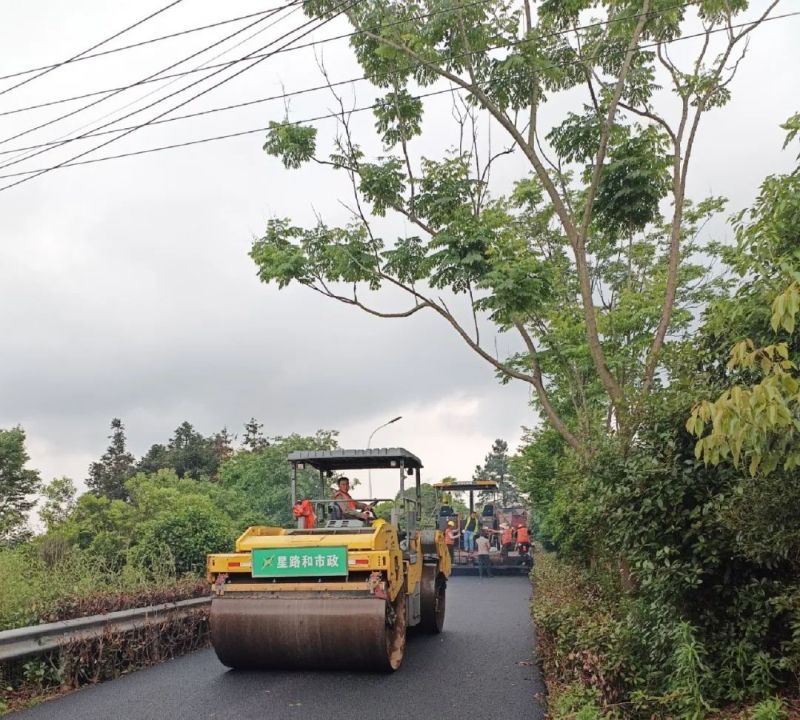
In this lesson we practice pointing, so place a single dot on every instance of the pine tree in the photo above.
(496, 467)
(107, 476)
(254, 439)
(222, 442)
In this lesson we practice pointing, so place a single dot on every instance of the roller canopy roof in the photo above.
(463, 486)
(376, 458)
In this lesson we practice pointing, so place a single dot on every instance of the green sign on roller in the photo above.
(299, 562)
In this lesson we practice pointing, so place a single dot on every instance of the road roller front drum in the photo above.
(308, 632)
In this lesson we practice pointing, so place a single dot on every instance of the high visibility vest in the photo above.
(522, 535)
(506, 537)
(342, 495)
(471, 525)
(305, 510)
(450, 536)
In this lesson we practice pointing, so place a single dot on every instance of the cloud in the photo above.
(126, 289)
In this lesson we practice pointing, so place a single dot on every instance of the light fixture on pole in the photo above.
(369, 445)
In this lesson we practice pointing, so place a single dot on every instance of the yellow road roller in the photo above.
(339, 590)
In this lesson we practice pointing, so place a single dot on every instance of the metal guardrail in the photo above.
(23, 642)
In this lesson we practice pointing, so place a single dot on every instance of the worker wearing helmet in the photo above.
(451, 534)
(506, 538)
(350, 508)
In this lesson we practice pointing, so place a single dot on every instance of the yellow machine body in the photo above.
(356, 617)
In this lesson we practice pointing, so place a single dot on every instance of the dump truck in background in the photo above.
(339, 595)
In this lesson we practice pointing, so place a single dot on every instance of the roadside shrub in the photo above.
(575, 701)
(581, 641)
(771, 709)
(188, 535)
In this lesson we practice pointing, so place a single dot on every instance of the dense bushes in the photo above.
(594, 642)
(688, 582)
(694, 547)
(160, 532)
(36, 590)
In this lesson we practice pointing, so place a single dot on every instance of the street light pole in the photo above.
(369, 445)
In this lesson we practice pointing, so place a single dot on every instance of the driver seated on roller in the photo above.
(350, 508)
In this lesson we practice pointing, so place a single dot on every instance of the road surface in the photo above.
(479, 668)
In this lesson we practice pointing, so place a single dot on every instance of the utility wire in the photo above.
(241, 133)
(45, 147)
(17, 160)
(50, 68)
(149, 77)
(342, 7)
(243, 59)
(66, 137)
(141, 43)
(451, 90)
(361, 78)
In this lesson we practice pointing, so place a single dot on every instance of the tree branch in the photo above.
(595, 348)
(541, 393)
(497, 113)
(680, 172)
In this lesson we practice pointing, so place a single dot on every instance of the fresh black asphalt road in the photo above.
(479, 668)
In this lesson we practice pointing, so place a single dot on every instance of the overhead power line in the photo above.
(160, 100)
(50, 68)
(365, 108)
(141, 43)
(304, 91)
(149, 77)
(204, 65)
(230, 63)
(45, 147)
(315, 22)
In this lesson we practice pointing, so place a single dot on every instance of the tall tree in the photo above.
(188, 453)
(17, 485)
(191, 453)
(496, 467)
(108, 475)
(578, 262)
(59, 501)
(254, 439)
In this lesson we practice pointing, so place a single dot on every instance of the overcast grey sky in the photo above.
(126, 289)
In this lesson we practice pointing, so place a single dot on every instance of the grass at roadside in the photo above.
(34, 591)
(584, 646)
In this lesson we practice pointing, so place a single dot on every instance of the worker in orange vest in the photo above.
(348, 506)
(451, 534)
(507, 539)
(304, 509)
(523, 539)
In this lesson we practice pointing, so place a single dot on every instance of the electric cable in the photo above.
(149, 77)
(132, 46)
(204, 65)
(343, 7)
(46, 147)
(302, 46)
(451, 90)
(50, 68)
